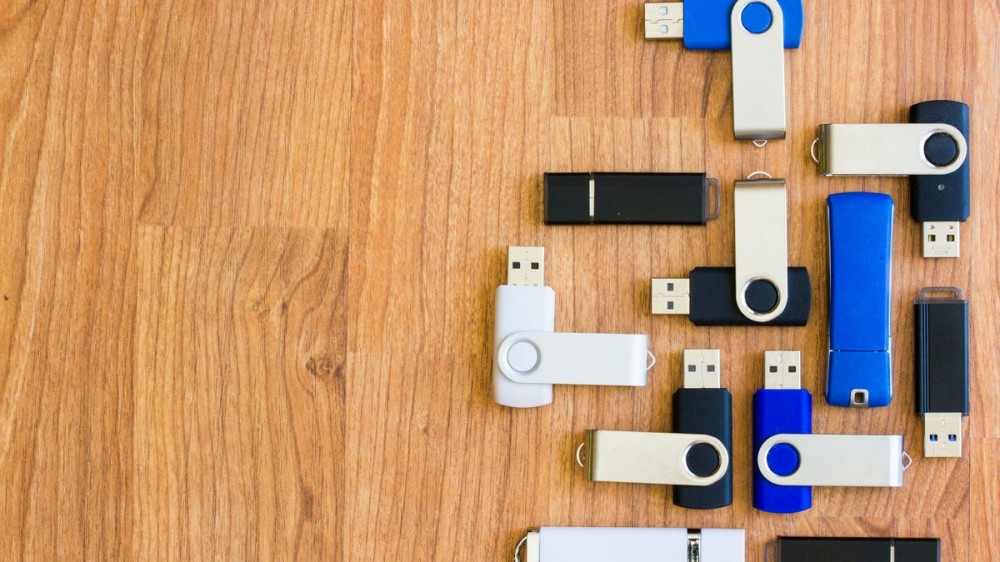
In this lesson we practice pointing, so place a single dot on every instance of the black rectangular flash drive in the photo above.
(822, 549)
(630, 198)
(942, 358)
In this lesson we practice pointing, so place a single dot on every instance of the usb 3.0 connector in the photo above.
(943, 435)
(782, 370)
(664, 20)
(701, 368)
(526, 266)
(941, 239)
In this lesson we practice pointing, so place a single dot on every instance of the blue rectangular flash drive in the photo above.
(859, 368)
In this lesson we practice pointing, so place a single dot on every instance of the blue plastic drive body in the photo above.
(780, 411)
(859, 368)
(706, 22)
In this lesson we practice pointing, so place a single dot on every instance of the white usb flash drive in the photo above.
(603, 544)
(530, 356)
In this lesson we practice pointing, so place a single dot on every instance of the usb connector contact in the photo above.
(941, 239)
(664, 20)
(526, 266)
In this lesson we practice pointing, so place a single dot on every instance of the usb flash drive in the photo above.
(828, 549)
(932, 149)
(702, 406)
(706, 297)
(630, 198)
(757, 32)
(761, 289)
(781, 407)
(530, 356)
(859, 368)
(942, 358)
(789, 459)
(603, 544)
(695, 460)
(941, 203)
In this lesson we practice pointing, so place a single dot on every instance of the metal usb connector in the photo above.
(526, 266)
(671, 296)
(664, 20)
(701, 368)
(941, 239)
(943, 435)
(782, 370)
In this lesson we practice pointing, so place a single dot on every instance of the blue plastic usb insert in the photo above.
(704, 25)
(781, 407)
(859, 368)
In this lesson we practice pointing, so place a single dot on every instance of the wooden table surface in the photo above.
(250, 249)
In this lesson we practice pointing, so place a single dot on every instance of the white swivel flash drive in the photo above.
(530, 356)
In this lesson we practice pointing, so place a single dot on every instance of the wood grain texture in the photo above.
(250, 251)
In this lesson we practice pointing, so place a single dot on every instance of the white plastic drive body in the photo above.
(521, 308)
(602, 544)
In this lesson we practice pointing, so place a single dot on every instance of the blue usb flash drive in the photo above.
(782, 406)
(706, 22)
(756, 32)
(859, 369)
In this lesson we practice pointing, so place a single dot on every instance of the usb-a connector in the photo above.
(941, 239)
(671, 296)
(526, 265)
(701, 368)
(943, 435)
(664, 20)
(782, 370)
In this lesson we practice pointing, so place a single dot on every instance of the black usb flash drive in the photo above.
(707, 297)
(629, 198)
(941, 198)
(817, 549)
(942, 360)
(703, 406)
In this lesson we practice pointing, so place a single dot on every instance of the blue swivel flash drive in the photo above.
(789, 459)
(782, 406)
(757, 32)
(859, 368)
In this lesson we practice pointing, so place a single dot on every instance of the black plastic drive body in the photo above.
(942, 355)
(713, 299)
(947, 197)
(814, 549)
(628, 198)
(707, 411)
